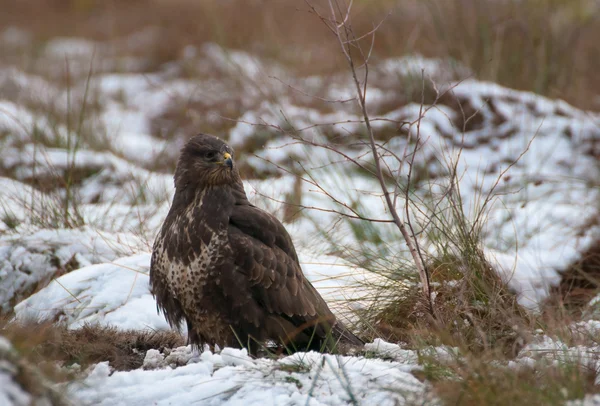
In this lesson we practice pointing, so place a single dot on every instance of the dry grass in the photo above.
(45, 354)
(478, 316)
(480, 381)
(473, 310)
(546, 46)
(48, 344)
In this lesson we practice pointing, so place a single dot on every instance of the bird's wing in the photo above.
(264, 253)
(159, 287)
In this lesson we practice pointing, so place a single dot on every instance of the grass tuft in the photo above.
(55, 343)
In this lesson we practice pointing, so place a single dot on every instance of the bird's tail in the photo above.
(344, 336)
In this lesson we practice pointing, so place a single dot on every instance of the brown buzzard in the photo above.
(228, 268)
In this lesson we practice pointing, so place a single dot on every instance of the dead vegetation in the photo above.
(481, 381)
(55, 344)
(546, 46)
(45, 355)
(474, 310)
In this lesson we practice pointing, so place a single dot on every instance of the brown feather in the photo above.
(230, 269)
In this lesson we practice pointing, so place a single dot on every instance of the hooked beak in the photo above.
(228, 160)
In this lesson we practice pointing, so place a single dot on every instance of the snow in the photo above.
(15, 37)
(115, 294)
(232, 378)
(532, 231)
(551, 351)
(30, 261)
(70, 47)
(589, 400)
(391, 351)
(173, 358)
(11, 394)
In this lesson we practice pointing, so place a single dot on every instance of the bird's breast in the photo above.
(195, 246)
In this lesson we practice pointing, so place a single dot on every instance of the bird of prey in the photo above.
(229, 269)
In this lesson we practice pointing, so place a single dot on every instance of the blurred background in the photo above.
(546, 46)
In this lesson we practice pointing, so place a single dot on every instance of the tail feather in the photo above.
(345, 336)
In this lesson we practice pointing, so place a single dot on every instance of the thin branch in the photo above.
(379, 173)
(311, 95)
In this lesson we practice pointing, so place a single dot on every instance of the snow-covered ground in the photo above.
(539, 222)
(233, 378)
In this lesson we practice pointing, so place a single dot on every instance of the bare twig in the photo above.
(355, 214)
(345, 38)
(295, 89)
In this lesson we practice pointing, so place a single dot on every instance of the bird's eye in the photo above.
(209, 155)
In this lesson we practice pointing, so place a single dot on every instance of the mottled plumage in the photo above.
(228, 268)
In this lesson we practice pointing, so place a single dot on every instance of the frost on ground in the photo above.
(233, 378)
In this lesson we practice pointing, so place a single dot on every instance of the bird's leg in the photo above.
(193, 338)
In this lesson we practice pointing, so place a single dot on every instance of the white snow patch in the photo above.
(231, 378)
(115, 294)
(389, 350)
(31, 261)
(588, 400)
(551, 351)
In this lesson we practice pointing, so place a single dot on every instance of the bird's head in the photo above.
(205, 161)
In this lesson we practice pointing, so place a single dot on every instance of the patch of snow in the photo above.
(19, 122)
(13, 203)
(12, 373)
(239, 63)
(29, 262)
(115, 294)
(554, 352)
(588, 400)
(384, 349)
(113, 179)
(172, 358)
(153, 359)
(15, 37)
(232, 378)
(11, 393)
(70, 47)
